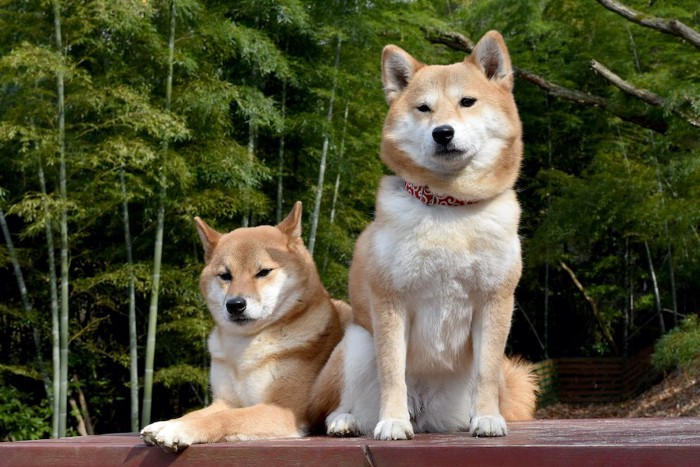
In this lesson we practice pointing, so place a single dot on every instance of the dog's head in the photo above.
(454, 128)
(255, 276)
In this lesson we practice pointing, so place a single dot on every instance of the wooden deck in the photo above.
(614, 442)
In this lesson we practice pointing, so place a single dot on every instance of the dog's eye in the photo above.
(263, 273)
(225, 276)
(423, 108)
(467, 101)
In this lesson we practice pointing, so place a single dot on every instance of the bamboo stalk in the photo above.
(158, 253)
(133, 349)
(53, 288)
(336, 185)
(324, 154)
(280, 166)
(655, 288)
(64, 310)
(24, 296)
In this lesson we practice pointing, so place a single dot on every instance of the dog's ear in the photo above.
(208, 236)
(398, 67)
(291, 225)
(490, 54)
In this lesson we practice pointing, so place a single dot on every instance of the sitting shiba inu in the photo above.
(433, 277)
(275, 328)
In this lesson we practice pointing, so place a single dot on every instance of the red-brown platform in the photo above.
(614, 442)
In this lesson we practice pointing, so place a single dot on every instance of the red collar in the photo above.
(427, 197)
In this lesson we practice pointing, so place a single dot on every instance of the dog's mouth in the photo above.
(449, 152)
(240, 320)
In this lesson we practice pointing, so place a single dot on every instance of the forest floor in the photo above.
(677, 395)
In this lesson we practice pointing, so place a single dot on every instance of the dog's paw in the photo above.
(343, 424)
(392, 428)
(148, 434)
(488, 425)
(175, 436)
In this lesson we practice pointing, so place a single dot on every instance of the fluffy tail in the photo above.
(518, 395)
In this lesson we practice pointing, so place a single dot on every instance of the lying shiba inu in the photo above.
(275, 329)
(433, 277)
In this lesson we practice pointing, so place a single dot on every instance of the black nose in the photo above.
(443, 134)
(236, 305)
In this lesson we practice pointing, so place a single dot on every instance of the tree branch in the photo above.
(594, 307)
(642, 94)
(460, 42)
(453, 40)
(671, 27)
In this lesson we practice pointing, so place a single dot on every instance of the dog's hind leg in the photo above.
(359, 402)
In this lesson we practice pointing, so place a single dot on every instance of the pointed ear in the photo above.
(490, 54)
(208, 236)
(398, 67)
(291, 225)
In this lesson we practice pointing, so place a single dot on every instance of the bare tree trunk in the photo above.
(671, 27)
(655, 288)
(81, 426)
(53, 288)
(158, 253)
(532, 328)
(133, 349)
(81, 411)
(63, 387)
(642, 94)
(594, 307)
(324, 153)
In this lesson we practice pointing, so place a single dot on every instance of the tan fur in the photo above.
(381, 290)
(518, 391)
(263, 370)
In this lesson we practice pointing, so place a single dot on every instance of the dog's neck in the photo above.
(427, 197)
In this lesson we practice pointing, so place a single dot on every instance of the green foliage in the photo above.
(178, 375)
(21, 417)
(680, 348)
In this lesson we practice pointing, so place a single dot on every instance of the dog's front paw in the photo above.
(343, 424)
(488, 425)
(175, 436)
(148, 434)
(392, 428)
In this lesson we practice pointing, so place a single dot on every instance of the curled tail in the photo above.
(518, 392)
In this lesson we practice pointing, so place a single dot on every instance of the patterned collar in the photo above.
(427, 197)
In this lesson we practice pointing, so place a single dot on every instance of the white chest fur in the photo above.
(443, 261)
(240, 371)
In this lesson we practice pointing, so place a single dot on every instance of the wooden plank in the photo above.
(541, 442)
(129, 450)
